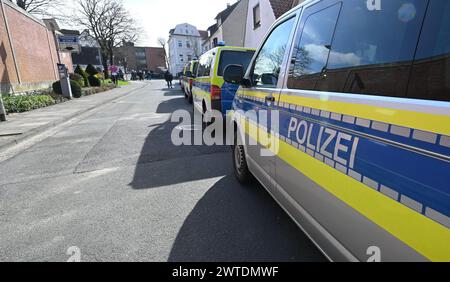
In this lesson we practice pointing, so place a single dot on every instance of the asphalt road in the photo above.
(113, 185)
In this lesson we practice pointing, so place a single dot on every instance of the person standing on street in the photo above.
(169, 78)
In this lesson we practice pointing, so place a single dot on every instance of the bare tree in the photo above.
(41, 7)
(110, 24)
(163, 43)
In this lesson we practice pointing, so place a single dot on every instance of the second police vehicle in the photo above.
(210, 91)
(187, 80)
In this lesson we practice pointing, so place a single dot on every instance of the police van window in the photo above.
(204, 65)
(268, 63)
(195, 68)
(311, 53)
(242, 58)
(430, 77)
(373, 48)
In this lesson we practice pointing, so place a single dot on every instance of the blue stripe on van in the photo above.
(418, 176)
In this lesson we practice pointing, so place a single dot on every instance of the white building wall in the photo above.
(234, 27)
(253, 37)
(183, 33)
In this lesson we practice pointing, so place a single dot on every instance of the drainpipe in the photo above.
(16, 66)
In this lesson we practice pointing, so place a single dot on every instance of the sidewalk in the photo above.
(19, 127)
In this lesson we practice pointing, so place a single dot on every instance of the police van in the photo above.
(361, 92)
(187, 81)
(210, 91)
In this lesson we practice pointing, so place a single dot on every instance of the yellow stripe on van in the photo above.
(427, 122)
(439, 124)
(424, 235)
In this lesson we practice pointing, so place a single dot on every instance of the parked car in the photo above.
(189, 73)
(210, 92)
(361, 158)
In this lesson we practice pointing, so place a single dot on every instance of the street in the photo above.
(112, 184)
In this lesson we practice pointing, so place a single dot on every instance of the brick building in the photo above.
(152, 59)
(28, 52)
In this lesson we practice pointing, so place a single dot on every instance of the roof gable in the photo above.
(280, 7)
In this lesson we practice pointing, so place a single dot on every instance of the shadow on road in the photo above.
(161, 163)
(230, 222)
(173, 92)
(236, 223)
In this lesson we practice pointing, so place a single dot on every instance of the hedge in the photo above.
(19, 104)
(76, 88)
(91, 70)
(81, 72)
(78, 78)
(94, 81)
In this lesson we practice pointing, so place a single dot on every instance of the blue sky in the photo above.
(157, 17)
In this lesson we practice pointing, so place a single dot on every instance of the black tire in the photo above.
(241, 171)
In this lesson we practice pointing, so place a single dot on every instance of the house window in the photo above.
(256, 16)
(189, 58)
(188, 44)
(180, 44)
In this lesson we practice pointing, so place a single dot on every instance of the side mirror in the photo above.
(233, 74)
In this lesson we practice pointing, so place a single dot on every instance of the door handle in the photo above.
(270, 99)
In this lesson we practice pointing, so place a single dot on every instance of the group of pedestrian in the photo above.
(144, 75)
(141, 75)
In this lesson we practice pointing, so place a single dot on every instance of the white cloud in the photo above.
(320, 55)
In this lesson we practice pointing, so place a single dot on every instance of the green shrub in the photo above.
(19, 104)
(80, 71)
(91, 70)
(78, 78)
(76, 89)
(75, 86)
(56, 86)
(94, 81)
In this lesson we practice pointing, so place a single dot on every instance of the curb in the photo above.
(33, 132)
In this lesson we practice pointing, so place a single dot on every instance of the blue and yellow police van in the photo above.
(187, 82)
(210, 92)
(361, 93)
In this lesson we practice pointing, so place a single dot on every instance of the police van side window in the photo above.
(373, 49)
(268, 62)
(195, 68)
(311, 53)
(430, 76)
(204, 65)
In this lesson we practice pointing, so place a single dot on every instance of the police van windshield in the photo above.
(242, 58)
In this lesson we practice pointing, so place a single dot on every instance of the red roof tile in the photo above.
(281, 6)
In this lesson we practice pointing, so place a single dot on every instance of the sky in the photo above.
(157, 17)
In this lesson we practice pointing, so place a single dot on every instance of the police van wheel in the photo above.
(240, 164)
